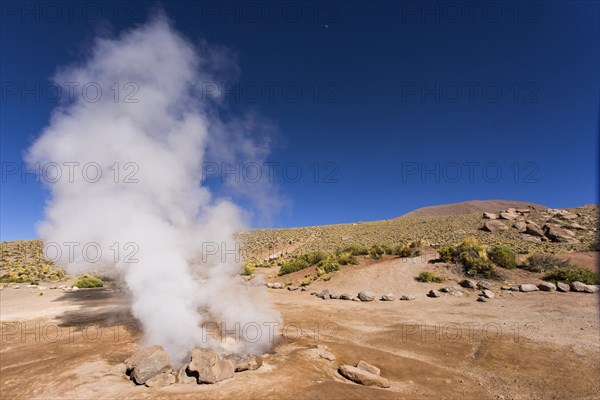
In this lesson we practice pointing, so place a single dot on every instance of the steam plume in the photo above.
(167, 215)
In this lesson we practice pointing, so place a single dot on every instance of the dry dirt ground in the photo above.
(516, 346)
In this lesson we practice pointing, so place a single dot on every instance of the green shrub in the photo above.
(428, 276)
(572, 274)
(410, 249)
(329, 265)
(376, 252)
(87, 281)
(346, 258)
(355, 250)
(293, 265)
(248, 269)
(314, 257)
(475, 265)
(503, 257)
(544, 262)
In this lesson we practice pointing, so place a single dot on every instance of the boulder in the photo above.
(578, 286)
(533, 229)
(366, 295)
(468, 283)
(161, 380)
(407, 298)
(528, 287)
(523, 210)
(562, 287)
(321, 351)
(488, 294)
(362, 377)
(148, 362)
(488, 215)
(520, 226)
(565, 215)
(452, 290)
(244, 362)
(532, 239)
(484, 285)
(345, 296)
(355, 298)
(557, 234)
(324, 294)
(292, 288)
(591, 288)
(494, 226)
(483, 299)
(433, 293)
(277, 285)
(547, 286)
(209, 366)
(388, 297)
(511, 216)
(368, 367)
(184, 376)
(119, 369)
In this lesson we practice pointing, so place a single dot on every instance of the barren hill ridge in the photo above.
(472, 206)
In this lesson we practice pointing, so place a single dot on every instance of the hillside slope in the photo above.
(472, 206)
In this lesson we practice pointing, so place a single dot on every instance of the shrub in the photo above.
(376, 252)
(572, 274)
(544, 262)
(293, 265)
(472, 256)
(329, 265)
(248, 269)
(314, 257)
(346, 258)
(355, 250)
(503, 257)
(478, 266)
(87, 281)
(428, 276)
(410, 249)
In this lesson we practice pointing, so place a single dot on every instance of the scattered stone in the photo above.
(528, 287)
(147, 362)
(482, 299)
(184, 376)
(368, 367)
(520, 226)
(468, 283)
(292, 288)
(324, 294)
(577, 286)
(119, 369)
(362, 377)
(355, 298)
(506, 288)
(321, 351)
(334, 296)
(523, 210)
(484, 285)
(565, 215)
(345, 296)
(557, 234)
(591, 288)
(494, 226)
(488, 294)
(42, 287)
(74, 289)
(511, 216)
(303, 289)
(161, 380)
(53, 287)
(562, 287)
(32, 286)
(366, 295)
(532, 239)
(388, 297)
(575, 226)
(278, 285)
(488, 215)
(407, 298)
(433, 293)
(244, 362)
(269, 285)
(534, 229)
(209, 366)
(547, 286)
(16, 287)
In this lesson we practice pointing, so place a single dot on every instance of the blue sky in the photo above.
(397, 105)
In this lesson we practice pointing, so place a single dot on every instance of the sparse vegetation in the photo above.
(572, 274)
(503, 257)
(428, 276)
(544, 262)
(376, 252)
(248, 269)
(293, 265)
(87, 281)
(473, 257)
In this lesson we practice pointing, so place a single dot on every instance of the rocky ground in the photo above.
(515, 345)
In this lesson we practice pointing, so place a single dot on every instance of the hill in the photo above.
(472, 206)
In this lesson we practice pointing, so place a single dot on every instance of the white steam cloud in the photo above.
(170, 218)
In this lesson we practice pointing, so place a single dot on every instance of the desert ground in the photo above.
(540, 345)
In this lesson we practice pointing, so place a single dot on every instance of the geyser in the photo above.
(156, 211)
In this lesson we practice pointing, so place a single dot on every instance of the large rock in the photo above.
(532, 239)
(244, 362)
(366, 295)
(578, 286)
(363, 377)
(591, 288)
(562, 287)
(368, 367)
(277, 285)
(388, 297)
(161, 380)
(184, 376)
(547, 286)
(324, 294)
(528, 287)
(433, 293)
(484, 285)
(488, 294)
(407, 298)
(209, 366)
(520, 226)
(511, 216)
(488, 215)
(558, 234)
(345, 296)
(468, 283)
(534, 229)
(494, 226)
(452, 290)
(148, 362)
